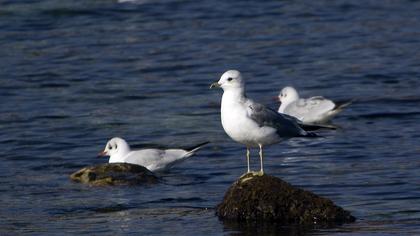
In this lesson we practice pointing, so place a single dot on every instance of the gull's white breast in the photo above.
(240, 127)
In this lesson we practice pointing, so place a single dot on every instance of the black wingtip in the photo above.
(343, 104)
(197, 146)
(312, 127)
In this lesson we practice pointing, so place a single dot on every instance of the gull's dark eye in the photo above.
(109, 147)
(230, 79)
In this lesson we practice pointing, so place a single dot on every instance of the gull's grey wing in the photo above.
(145, 157)
(311, 108)
(285, 125)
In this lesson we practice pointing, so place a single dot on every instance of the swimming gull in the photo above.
(153, 159)
(311, 110)
(251, 123)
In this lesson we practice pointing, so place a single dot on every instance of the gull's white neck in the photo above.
(233, 101)
(283, 106)
(233, 95)
(286, 103)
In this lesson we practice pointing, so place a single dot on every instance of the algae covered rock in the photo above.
(114, 174)
(270, 199)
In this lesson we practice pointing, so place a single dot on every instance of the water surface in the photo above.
(76, 73)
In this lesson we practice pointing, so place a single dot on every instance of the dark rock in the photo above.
(270, 199)
(114, 174)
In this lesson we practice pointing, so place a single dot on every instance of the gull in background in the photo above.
(315, 110)
(153, 159)
(251, 123)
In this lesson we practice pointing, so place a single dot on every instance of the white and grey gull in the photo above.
(153, 159)
(314, 110)
(250, 123)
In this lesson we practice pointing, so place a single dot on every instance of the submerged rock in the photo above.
(270, 199)
(114, 174)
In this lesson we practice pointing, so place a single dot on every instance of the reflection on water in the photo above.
(267, 228)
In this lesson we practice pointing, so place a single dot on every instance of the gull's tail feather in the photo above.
(312, 127)
(195, 148)
(340, 105)
(176, 156)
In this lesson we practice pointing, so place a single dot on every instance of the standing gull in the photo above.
(153, 159)
(251, 123)
(311, 110)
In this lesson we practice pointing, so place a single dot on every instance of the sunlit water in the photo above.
(76, 73)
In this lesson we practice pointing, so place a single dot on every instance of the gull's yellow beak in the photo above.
(215, 85)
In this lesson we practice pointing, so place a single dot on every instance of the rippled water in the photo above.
(76, 73)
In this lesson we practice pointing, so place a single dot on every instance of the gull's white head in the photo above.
(231, 79)
(116, 148)
(287, 95)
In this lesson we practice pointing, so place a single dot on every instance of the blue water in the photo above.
(75, 73)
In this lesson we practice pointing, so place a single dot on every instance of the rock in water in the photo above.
(114, 174)
(270, 199)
